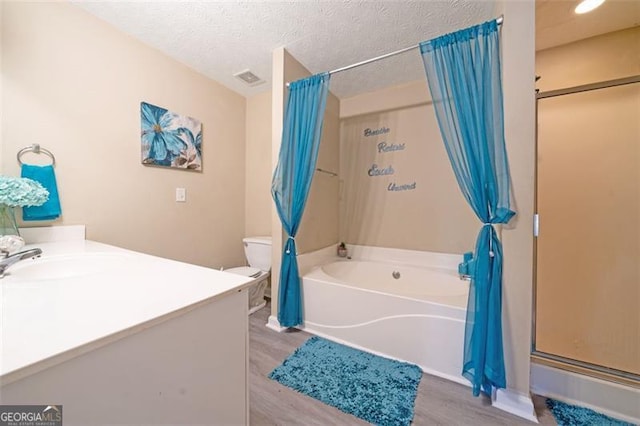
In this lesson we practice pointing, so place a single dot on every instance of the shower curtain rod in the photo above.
(499, 21)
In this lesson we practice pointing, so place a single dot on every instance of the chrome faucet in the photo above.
(7, 260)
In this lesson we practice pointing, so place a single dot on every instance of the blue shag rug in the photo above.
(379, 390)
(572, 415)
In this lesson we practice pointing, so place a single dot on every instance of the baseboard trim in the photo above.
(274, 324)
(612, 399)
(257, 308)
(514, 403)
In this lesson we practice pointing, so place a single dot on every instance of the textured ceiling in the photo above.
(222, 38)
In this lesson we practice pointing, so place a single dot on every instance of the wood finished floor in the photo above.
(439, 401)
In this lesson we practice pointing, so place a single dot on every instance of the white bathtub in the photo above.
(418, 317)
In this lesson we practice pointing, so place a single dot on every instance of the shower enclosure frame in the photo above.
(552, 360)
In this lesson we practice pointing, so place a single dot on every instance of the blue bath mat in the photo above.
(379, 390)
(572, 415)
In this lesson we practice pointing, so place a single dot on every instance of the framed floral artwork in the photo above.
(169, 139)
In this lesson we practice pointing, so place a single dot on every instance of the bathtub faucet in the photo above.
(7, 260)
(467, 267)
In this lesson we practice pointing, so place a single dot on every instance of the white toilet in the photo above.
(258, 253)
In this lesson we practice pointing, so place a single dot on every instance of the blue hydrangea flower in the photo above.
(21, 192)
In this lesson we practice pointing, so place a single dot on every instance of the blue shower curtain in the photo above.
(463, 72)
(301, 135)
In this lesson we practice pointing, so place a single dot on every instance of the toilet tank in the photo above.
(258, 252)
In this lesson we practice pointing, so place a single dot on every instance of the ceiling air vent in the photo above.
(248, 77)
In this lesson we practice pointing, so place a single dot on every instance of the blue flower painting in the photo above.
(169, 139)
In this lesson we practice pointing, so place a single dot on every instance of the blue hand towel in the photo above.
(50, 210)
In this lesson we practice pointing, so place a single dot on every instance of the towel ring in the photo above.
(36, 149)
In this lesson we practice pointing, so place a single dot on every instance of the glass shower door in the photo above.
(588, 248)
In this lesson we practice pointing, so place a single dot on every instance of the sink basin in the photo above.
(65, 266)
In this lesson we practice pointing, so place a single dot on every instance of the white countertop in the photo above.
(81, 295)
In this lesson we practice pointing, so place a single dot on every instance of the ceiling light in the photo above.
(587, 6)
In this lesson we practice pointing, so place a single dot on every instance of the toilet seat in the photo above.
(247, 271)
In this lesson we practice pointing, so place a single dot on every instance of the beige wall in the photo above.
(258, 166)
(518, 66)
(601, 58)
(74, 84)
(432, 217)
(319, 226)
(277, 117)
(588, 167)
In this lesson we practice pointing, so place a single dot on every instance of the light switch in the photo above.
(181, 195)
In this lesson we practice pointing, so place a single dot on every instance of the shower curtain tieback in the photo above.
(291, 182)
(491, 253)
(294, 240)
(463, 72)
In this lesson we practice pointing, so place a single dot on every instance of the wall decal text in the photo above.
(406, 187)
(377, 171)
(384, 147)
(390, 147)
(381, 131)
